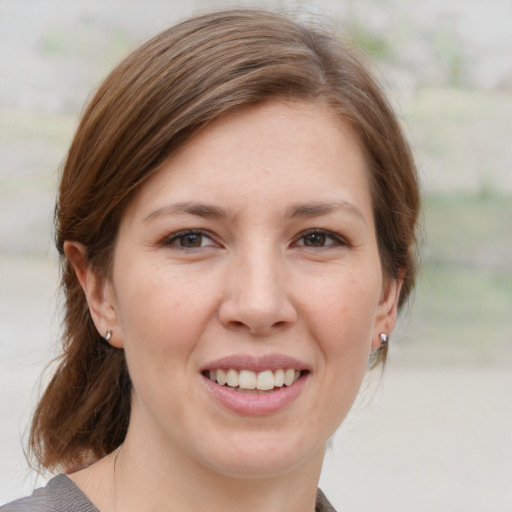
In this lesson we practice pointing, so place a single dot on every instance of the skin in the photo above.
(254, 281)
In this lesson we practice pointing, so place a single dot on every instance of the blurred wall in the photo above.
(439, 431)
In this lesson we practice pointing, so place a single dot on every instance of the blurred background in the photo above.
(435, 432)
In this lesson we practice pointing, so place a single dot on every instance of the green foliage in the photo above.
(463, 303)
(470, 229)
(375, 44)
(450, 53)
(87, 39)
(55, 42)
(462, 137)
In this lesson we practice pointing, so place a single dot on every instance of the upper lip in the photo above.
(256, 363)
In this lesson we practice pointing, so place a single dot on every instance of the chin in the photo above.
(262, 457)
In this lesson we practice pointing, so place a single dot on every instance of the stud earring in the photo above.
(384, 338)
(108, 335)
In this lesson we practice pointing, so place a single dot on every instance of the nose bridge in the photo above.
(256, 295)
(260, 276)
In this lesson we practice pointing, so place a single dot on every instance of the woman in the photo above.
(236, 222)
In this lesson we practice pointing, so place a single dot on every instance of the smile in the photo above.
(250, 382)
(256, 385)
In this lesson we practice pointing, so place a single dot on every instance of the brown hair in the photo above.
(148, 108)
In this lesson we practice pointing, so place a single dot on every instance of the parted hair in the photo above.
(152, 104)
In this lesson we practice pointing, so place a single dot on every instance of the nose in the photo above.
(257, 296)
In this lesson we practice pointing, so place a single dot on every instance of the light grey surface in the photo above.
(27, 298)
(434, 439)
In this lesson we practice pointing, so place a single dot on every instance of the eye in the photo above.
(189, 239)
(319, 238)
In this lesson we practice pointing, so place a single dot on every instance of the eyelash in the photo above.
(172, 240)
(337, 239)
(175, 237)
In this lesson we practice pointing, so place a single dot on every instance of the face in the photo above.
(247, 291)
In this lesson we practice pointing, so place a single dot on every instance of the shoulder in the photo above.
(322, 503)
(62, 495)
(59, 495)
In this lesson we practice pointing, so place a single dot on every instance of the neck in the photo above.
(145, 481)
(150, 472)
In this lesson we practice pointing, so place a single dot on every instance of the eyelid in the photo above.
(338, 239)
(170, 240)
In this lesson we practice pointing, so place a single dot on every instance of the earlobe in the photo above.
(98, 291)
(387, 311)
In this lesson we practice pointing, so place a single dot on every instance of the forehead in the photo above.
(263, 155)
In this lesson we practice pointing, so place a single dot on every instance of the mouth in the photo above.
(254, 383)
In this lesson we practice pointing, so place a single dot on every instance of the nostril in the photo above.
(237, 324)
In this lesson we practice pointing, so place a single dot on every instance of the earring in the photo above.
(384, 338)
(108, 335)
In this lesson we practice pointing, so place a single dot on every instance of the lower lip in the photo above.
(255, 405)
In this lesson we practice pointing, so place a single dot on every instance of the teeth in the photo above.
(247, 380)
(289, 376)
(279, 378)
(232, 378)
(265, 380)
(221, 377)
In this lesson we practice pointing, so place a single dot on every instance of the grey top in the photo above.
(59, 495)
(62, 495)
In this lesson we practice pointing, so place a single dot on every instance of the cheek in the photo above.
(342, 318)
(161, 314)
(342, 312)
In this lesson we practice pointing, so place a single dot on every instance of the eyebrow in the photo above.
(190, 208)
(300, 210)
(317, 209)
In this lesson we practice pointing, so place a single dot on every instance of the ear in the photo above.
(98, 291)
(387, 309)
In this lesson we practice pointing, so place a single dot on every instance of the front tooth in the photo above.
(221, 377)
(265, 380)
(247, 379)
(232, 378)
(213, 375)
(279, 378)
(289, 375)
